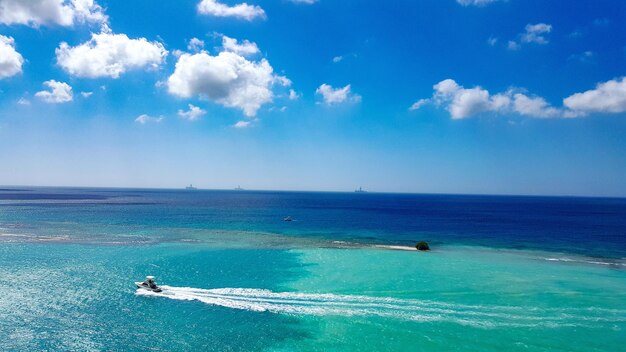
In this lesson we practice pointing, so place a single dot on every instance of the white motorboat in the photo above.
(149, 284)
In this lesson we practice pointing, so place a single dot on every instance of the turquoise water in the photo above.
(238, 278)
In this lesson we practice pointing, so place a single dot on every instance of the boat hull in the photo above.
(141, 286)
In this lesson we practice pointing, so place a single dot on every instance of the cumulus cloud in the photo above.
(58, 92)
(144, 119)
(332, 95)
(228, 78)
(192, 114)
(475, 2)
(109, 55)
(464, 102)
(245, 48)
(337, 59)
(293, 95)
(86, 94)
(10, 60)
(243, 11)
(195, 45)
(533, 33)
(607, 97)
(35, 13)
(534, 106)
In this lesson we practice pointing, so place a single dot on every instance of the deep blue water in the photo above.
(236, 277)
(591, 226)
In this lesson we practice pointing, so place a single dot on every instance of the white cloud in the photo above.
(194, 45)
(418, 104)
(576, 33)
(535, 33)
(35, 13)
(282, 80)
(227, 78)
(10, 60)
(337, 95)
(492, 41)
(276, 108)
(307, 2)
(109, 55)
(462, 102)
(59, 92)
(446, 87)
(607, 97)
(534, 106)
(245, 48)
(192, 114)
(584, 57)
(293, 95)
(475, 2)
(244, 11)
(86, 94)
(513, 45)
(23, 101)
(144, 119)
(469, 102)
(242, 124)
(337, 59)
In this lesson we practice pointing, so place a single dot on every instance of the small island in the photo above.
(422, 246)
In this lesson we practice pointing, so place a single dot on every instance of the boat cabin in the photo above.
(150, 282)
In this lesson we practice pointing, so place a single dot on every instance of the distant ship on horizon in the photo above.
(238, 188)
(190, 187)
(360, 190)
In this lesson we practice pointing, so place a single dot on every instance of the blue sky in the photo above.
(442, 96)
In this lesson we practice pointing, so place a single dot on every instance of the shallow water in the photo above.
(236, 277)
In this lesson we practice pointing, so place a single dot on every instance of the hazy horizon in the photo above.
(296, 190)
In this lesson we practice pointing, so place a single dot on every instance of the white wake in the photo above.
(293, 303)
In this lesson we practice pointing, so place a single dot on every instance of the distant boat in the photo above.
(190, 187)
(360, 190)
(238, 188)
(287, 218)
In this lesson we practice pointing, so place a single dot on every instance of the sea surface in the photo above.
(504, 273)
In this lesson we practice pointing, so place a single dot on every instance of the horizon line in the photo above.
(323, 191)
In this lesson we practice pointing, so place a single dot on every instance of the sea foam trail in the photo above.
(294, 303)
(616, 263)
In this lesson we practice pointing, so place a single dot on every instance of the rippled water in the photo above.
(340, 277)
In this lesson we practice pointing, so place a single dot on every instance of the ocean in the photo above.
(505, 273)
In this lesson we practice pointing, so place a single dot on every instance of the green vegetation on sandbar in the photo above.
(422, 246)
